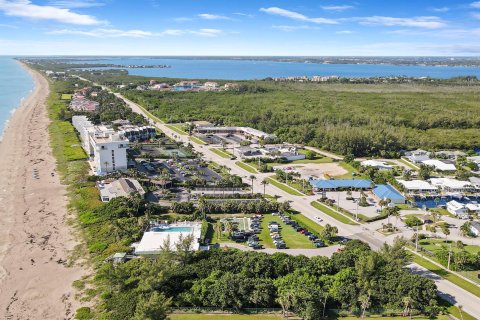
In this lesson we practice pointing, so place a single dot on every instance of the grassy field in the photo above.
(196, 140)
(246, 167)
(408, 164)
(178, 128)
(292, 238)
(332, 213)
(434, 245)
(66, 96)
(284, 187)
(352, 173)
(222, 153)
(470, 287)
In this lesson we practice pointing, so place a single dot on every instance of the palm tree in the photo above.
(406, 302)
(364, 300)
(265, 183)
(202, 206)
(252, 177)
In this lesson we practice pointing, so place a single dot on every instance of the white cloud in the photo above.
(117, 33)
(476, 15)
(337, 8)
(182, 19)
(243, 14)
(10, 26)
(209, 16)
(475, 4)
(296, 16)
(75, 4)
(207, 32)
(291, 28)
(442, 9)
(26, 9)
(344, 32)
(418, 22)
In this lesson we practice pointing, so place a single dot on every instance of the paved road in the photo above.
(366, 233)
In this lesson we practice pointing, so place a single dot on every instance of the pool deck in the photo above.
(154, 241)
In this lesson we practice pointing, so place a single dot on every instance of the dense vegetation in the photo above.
(345, 118)
(355, 279)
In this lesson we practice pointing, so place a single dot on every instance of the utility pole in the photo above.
(416, 241)
(449, 256)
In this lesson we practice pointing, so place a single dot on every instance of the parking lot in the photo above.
(181, 170)
(340, 198)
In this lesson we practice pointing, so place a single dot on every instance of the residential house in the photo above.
(451, 185)
(417, 186)
(475, 228)
(381, 165)
(457, 209)
(440, 165)
(122, 187)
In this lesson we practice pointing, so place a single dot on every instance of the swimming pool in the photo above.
(172, 229)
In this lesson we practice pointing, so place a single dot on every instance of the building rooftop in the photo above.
(157, 237)
(122, 187)
(385, 191)
(417, 185)
(440, 165)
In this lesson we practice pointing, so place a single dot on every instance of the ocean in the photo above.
(250, 69)
(15, 85)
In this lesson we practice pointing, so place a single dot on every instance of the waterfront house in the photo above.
(417, 186)
(457, 209)
(122, 187)
(451, 185)
(475, 228)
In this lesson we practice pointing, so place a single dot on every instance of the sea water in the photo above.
(250, 69)
(15, 85)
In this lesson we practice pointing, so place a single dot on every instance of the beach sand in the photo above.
(35, 240)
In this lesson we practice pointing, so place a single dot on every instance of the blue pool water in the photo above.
(173, 229)
(250, 69)
(15, 84)
(442, 201)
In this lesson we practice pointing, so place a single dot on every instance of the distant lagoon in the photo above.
(253, 69)
(15, 85)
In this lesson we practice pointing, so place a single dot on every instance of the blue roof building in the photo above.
(385, 191)
(340, 184)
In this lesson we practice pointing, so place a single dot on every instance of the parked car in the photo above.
(318, 219)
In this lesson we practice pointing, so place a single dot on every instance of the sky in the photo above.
(240, 27)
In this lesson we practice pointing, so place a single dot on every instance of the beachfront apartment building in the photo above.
(107, 150)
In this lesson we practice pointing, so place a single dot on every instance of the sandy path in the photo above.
(34, 238)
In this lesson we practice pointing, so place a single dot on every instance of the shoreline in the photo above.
(35, 241)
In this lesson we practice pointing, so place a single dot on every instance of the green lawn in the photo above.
(337, 216)
(434, 245)
(292, 238)
(204, 316)
(246, 167)
(284, 187)
(408, 164)
(178, 128)
(470, 287)
(222, 153)
(351, 174)
(66, 96)
(197, 140)
(264, 235)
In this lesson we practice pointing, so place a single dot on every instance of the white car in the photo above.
(318, 219)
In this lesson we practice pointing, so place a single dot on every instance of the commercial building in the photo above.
(381, 165)
(289, 153)
(122, 187)
(246, 131)
(387, 192)
(160, 236)
(106, 148)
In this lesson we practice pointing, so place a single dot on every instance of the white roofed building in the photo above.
(440, 165)
(451, 185)
(417, 186)
(457, 209)
(122, 187)
(381, 165)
